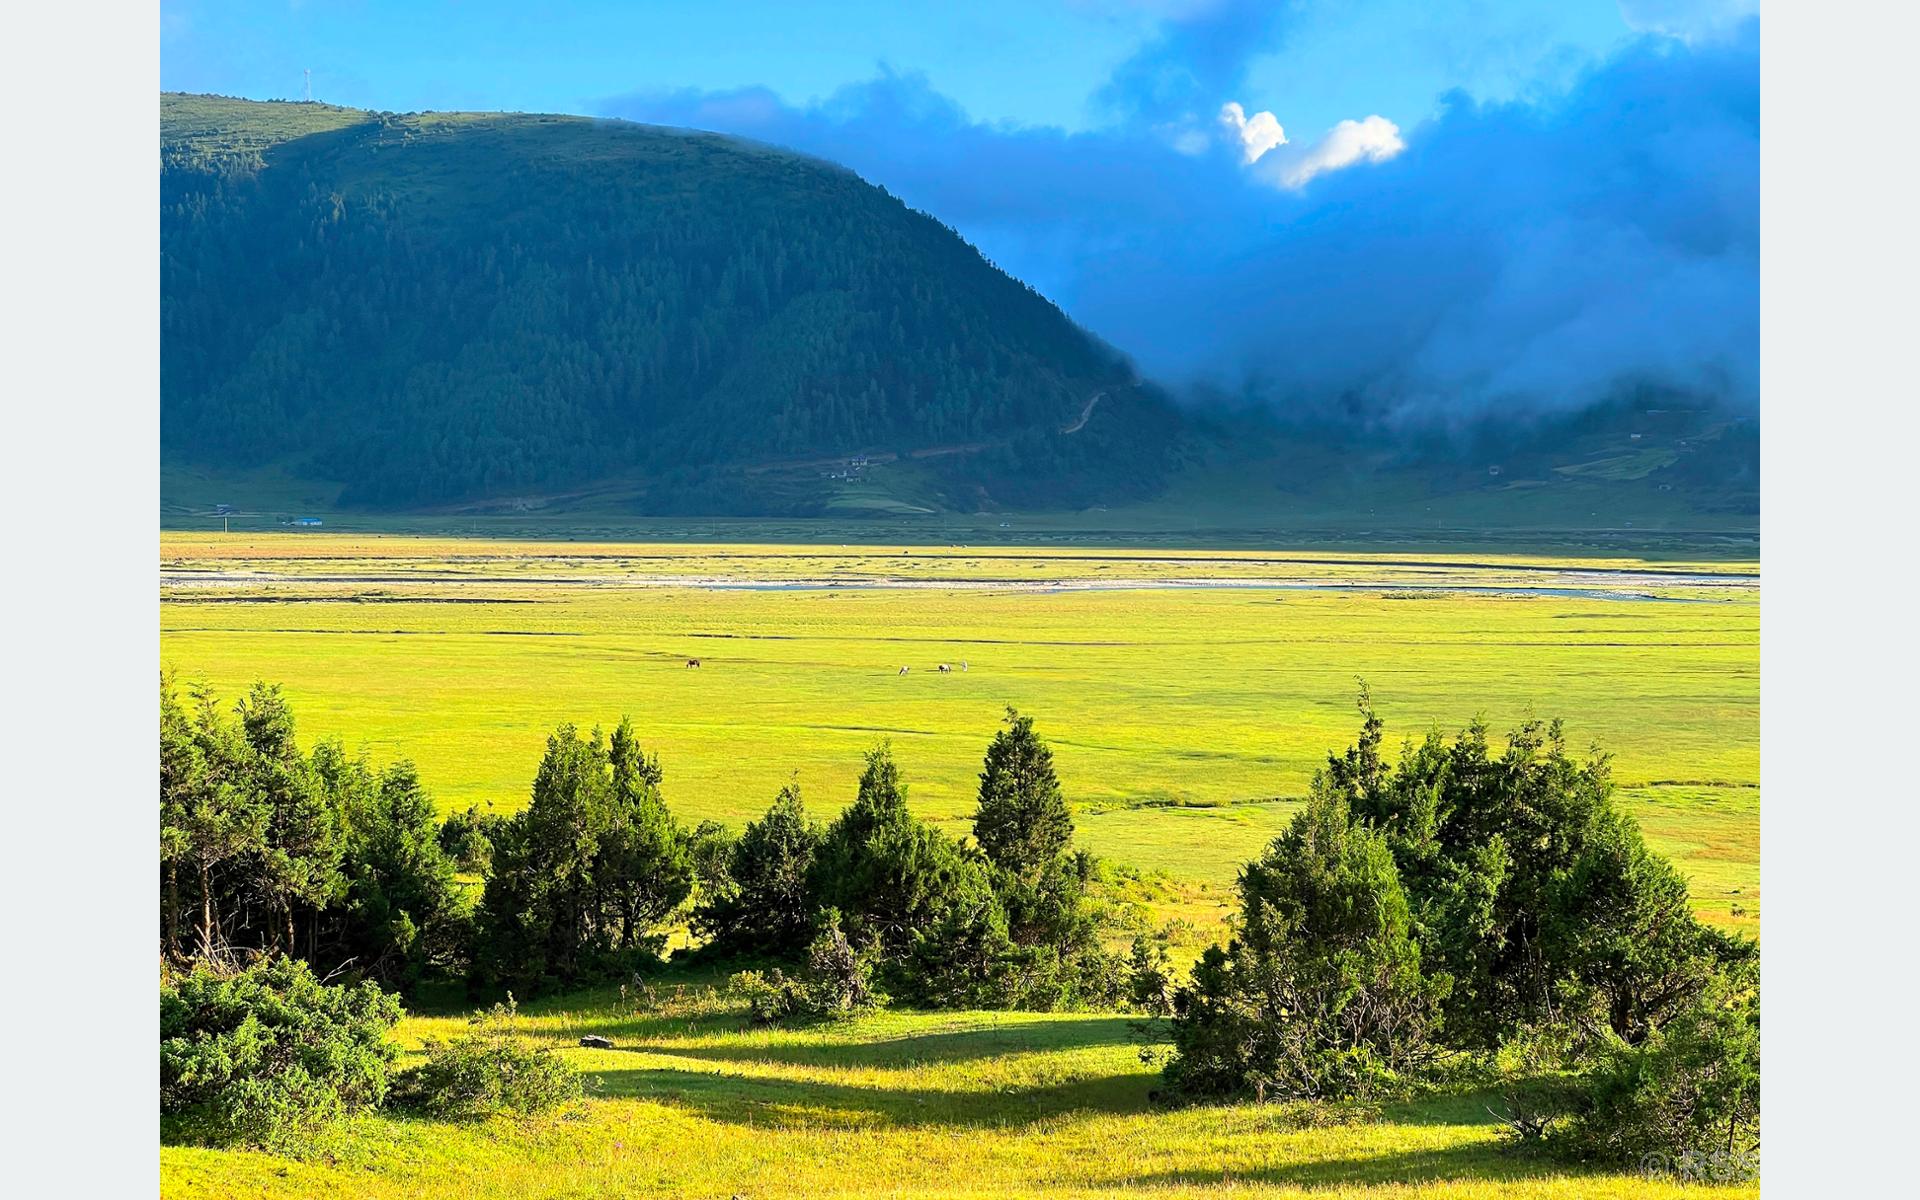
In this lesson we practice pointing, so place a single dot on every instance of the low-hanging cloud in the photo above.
(1533, 255)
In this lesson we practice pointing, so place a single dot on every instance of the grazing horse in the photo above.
(945, 669)
(692, 663)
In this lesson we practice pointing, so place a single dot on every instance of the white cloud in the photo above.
(1260, 140)
(1256, 134)
(1373, 140)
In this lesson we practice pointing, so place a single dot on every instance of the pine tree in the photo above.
(590, 867)
(644, 868)
(211, 823)
(1022, 822)
(767, 905)
(401, 900)
(892, 877)
(298, 868)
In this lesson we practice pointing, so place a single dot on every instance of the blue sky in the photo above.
(1428, 209)
(1035, 62)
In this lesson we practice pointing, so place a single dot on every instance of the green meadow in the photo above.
(690, 1102)
(1189, 697)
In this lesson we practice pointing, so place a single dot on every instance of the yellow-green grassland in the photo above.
(690, 1102)
(1189, 696)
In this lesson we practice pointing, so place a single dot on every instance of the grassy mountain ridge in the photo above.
(563, 323)
(438, 308)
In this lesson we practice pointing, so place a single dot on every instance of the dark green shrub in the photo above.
(271, 1056)
(1150, 978)
(1620, 925)
(1537, 1090)
(948, 928)
(710, 849)
(771, 997)
(1060, 960)
(319, 857)
(1094, 979)
(840, 974)
(1026, 832)
(489, 1069)
(1527, 886)
(836, 982)
(1686, 1100)
(964, 958)
(1048, 905)
(1321, 995)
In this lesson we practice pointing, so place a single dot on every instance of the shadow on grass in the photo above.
(982, 1041)
(1479, 1165)
(810, 1104)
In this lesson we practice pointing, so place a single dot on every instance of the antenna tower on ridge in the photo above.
(309, 74)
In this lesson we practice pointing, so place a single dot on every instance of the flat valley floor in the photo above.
(1188, 695)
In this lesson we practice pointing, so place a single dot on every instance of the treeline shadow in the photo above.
(923, 1049)
(810, 1104)
(1480, 1165)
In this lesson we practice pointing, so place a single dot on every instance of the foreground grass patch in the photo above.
(913, 1104)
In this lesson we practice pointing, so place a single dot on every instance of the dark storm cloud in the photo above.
(1531, 255)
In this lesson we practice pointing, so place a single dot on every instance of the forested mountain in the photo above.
(432, 308)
